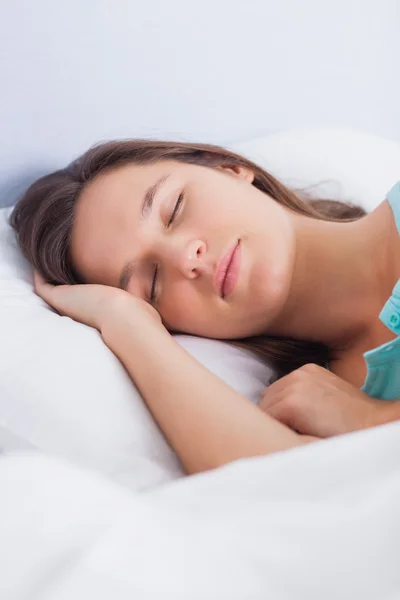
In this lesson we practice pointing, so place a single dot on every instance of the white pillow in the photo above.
(346, 164)
(63, 392)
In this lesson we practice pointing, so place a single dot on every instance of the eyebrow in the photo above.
(145, 212)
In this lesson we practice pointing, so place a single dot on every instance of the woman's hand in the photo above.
(93, 305)
(313, 401)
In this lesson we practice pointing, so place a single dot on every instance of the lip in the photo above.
(227, 271)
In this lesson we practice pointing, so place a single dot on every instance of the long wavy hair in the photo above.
(43, 218)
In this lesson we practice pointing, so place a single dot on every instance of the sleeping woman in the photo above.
(143, 238)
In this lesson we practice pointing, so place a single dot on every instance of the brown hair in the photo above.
(43, 219)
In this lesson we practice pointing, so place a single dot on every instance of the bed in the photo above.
(93, 502)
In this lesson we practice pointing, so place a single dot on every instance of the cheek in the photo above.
(185, 308)
(275, 274)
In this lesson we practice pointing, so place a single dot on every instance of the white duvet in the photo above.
(319, 522)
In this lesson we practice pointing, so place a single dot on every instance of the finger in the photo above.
(285, 412)
(37, 279)
(43, 289)
(282, 383)
(40, 282)
(270, 398)
(273, 393)
(282, 413)
(318, 372)
(307, 439)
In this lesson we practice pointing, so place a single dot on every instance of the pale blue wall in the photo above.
(78, 71)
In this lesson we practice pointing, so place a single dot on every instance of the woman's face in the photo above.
(172, 247)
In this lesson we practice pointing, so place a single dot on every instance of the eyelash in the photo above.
(171, 220)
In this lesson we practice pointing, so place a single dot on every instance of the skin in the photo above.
(220, 207)
(299, 277)
(295, 280)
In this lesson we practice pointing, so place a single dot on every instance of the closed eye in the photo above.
(176, 208)
(153, 286)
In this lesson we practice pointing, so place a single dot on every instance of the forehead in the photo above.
(106, 213)
(111, 193)
(126, 179)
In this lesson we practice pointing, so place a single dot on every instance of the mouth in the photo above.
(227, 272)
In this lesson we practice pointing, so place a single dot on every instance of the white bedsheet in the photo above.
(320, 522)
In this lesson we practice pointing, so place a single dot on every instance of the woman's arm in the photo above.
(390, 412)
(314, 401)
(206, 421)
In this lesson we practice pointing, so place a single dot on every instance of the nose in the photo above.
(188, 258)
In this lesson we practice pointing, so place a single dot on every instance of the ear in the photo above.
(239, 171)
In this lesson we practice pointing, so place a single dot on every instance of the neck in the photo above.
(341, 279)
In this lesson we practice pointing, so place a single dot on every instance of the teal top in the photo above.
(383, 363)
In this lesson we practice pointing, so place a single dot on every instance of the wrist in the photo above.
(115, 312)
(385, 411)
(390, 411)
(130, 317)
